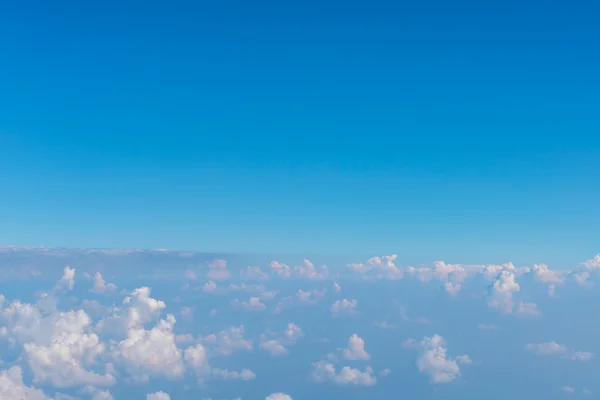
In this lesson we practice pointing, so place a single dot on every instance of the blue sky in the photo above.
(462, 131)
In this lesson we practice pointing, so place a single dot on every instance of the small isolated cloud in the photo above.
(344, 307)
(323, 371)
(555, 349)
(355, 349)
(434, 361)
(253, 304)
(209, 287)
(568, 389)
(546, 349)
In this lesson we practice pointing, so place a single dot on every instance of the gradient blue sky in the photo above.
(463, 131)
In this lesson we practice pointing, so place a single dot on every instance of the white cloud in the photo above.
(379, 268)
(243, 375)
(356, 349)
(528, 309)
(581, 356)
(100, 286)
(278, 396)
(253, 272)
(102, 395)
(12, 386)
(57, 347)
(253, 304)
(158, 396)
(546, 349)
(276, 346)
(138, 309)
(68, 279)
(434, 361)
(336, 288)
(555, 349)
(344, 307)
(501, 292)
(568, 389)
(226, 342)
(323, 371)
(209, 287)
(218, 270)
(151, 352)
(452, 288)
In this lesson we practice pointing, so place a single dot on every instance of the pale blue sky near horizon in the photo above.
(464, 132)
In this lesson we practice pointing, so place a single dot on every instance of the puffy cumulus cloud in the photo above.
(344, 307)
(196, 357)
(582, 272)
(309, 271)
(253, 304)
(151, 352)
(323, 371)
(12, 386)
(355, 349)
(336, 288)
(555, 349)
(57, 347)
(158, 396)
(451, 274)
(67, 281)
(434, 361)
(305, 271)
(378, 268)
(501, 292)
(278, 396)
(100, 286)
(228, 341)
(273, 347)
(138, 309)
(542, 273)
(568, 389)
(276, 346)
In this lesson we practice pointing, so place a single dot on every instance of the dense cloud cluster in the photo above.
(86, 337)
